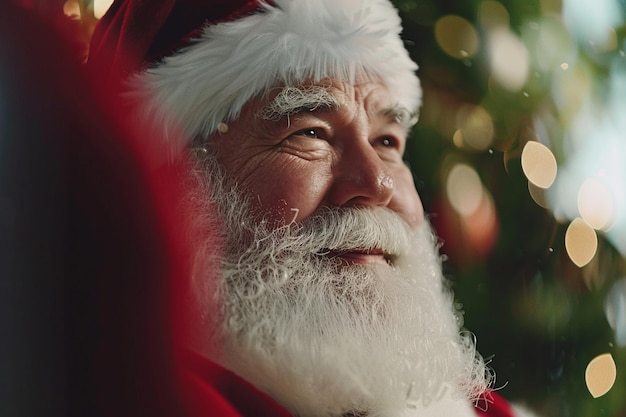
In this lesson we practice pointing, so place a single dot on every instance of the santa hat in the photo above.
(196, 63)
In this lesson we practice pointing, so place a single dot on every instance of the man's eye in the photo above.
(388, 142)
(309, 138)
(309, 133)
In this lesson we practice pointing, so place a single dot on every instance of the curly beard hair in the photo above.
(321, 336)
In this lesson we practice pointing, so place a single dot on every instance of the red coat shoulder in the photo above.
(211, 390)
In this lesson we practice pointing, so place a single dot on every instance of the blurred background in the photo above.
(520, 160)
(520, 157)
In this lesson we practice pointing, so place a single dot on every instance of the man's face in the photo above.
(330, 285)
(329, 144)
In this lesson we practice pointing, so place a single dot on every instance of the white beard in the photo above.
(328, 338)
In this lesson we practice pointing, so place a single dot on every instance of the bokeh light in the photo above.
(538, 195)
(596, 205)
(508, 58)
(539, 164)
(600, 375)
(492, 14)
(481, 226)
(581, 242)
(468, 211)
(457, 37)
(464, 189)
(475, 128)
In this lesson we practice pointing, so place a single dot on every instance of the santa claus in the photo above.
(326, 293)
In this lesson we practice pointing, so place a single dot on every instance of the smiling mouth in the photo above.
(361, 256)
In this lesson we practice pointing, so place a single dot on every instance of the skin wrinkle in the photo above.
(356, 161)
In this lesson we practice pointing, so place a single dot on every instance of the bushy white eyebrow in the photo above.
(293, 100)
(401, 115)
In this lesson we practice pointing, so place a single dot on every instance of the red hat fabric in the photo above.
(134, 33)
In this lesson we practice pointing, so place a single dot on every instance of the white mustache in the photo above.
(355, 229)
(343, 229)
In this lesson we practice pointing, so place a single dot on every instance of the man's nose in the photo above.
(361, 178)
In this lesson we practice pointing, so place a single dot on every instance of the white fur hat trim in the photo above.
(208, 82)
